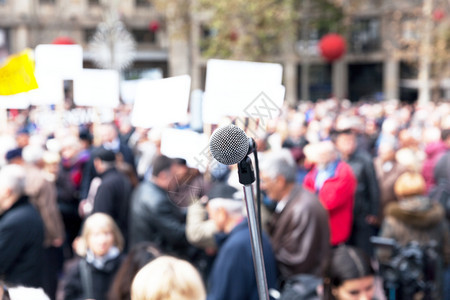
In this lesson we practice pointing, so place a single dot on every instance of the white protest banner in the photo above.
(51, 119)
(96, 88)
(161, 102)
(62, 61)
(50, 90)
(17, 101)
(128, 90)
(187, 144)
(237, 88)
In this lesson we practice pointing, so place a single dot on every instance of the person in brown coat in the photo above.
(415, 218)
(43, 196)
(299, 229)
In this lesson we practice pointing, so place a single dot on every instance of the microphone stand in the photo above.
(247, 177)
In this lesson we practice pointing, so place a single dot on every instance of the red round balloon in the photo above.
(438, 14)
(153, 26)
(332, 46)
(63, 40)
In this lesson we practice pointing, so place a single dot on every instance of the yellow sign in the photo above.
(17, 74)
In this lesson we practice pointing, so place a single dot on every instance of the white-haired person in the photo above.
(233, 275)
(298, 229)
(168, 278)
(21, 231)
(100, 247)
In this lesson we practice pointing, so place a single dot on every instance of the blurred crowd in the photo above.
(96, 211)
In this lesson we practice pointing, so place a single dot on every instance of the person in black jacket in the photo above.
(21, 231)
(367, 196)
(110, 141)
(114, 193)
(153, 217)
(100, 247)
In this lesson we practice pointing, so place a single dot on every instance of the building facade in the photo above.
(374, 67)
(28, 23)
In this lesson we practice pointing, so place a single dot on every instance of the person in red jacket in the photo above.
(334, 182)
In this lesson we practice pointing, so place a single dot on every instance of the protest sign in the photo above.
(235, 87)
(187, 144)
(128, 90)
(161, 102)
(62, 61)
(50, 119)
(16, 101)
(50, 90)
(96, 88)
(17, 74)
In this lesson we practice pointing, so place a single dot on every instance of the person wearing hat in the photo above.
(233, 274)
(114, 193)
(22, 137)
(414, 218)
(200, 230)
(14, 156)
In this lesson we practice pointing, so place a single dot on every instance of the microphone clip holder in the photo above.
(245, 171)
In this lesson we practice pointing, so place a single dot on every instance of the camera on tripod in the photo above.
(411, 270)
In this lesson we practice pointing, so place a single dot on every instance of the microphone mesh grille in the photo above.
(229, 145)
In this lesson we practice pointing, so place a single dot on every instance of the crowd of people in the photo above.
(100, 212)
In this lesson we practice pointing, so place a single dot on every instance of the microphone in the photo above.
(229, 145)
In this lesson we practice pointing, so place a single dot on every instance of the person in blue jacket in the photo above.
(233, 274)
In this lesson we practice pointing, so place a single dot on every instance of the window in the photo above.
(365, 81)
(320, 85)
(408, 76)
(365, 36)
(88, 34)
(206, 34)
(142, 3)
(310, 47)
(144, 36)
(410, 28)
(320, 81)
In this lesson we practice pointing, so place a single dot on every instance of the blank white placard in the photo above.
(96, 88)
(161, 102)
